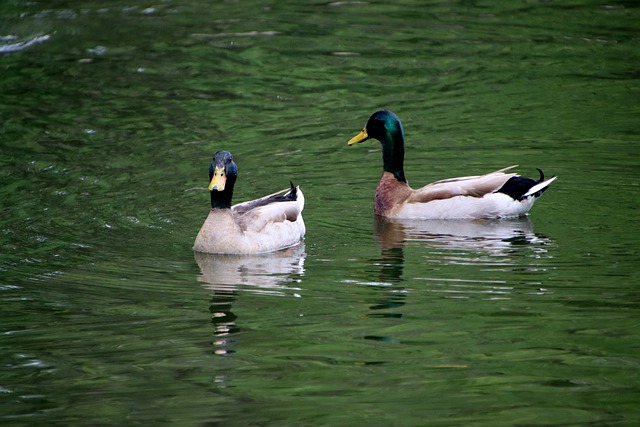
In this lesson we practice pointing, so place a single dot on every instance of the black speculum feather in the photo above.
(518, 186)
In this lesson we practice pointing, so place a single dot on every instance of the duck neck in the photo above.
(393, 155)
(222, 199)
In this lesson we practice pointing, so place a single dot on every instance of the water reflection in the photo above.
(467, 239)
(497, 244)
(493, 245)
(491, 236)
(227, 276)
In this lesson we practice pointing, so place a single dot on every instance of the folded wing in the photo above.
(472, 186)
(257, 214)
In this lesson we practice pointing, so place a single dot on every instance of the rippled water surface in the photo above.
(111, 111)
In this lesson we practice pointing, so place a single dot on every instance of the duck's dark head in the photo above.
(223, 173)
(383, 125)
(386, 127)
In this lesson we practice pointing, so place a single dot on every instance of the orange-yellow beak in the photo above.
(361, 137)
(218, 180)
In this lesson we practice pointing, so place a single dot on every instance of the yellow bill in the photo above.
(218, 180)
(362, 136)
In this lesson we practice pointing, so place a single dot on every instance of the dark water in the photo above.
(110, 112)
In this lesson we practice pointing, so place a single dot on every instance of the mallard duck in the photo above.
(263, 225)
(494, 195)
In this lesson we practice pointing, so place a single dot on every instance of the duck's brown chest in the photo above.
(390, 194)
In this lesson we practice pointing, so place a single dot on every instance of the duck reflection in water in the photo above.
(276, 273)
(488, 236)
(470, 241)
(390, 267)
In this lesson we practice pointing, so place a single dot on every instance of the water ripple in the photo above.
(12, 45)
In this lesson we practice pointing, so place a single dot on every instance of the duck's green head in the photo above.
(223, 173)
(385, 126)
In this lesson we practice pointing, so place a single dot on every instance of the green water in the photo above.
(111, 111)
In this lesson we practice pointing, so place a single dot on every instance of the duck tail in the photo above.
(540, 187)
(293, 192)
(289, 196)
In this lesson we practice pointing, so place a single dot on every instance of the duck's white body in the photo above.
(244, 229)
(495, 205)
(471, 197)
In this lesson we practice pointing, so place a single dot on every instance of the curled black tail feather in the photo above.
(517, 186)
(293, 192)
(290, 196)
